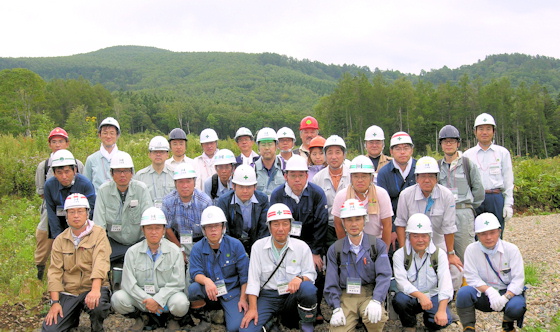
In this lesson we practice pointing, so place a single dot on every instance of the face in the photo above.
(484, 134)
(214, 232)
(402, 153)
(122, 176)
(108, 136)
(245, 144)
(296, 180)
(158, 157)
(307, 135)
(335, 156)
(58, 143)
(374, 147)
(449, 146)
(285, 144)
(209, 148)
(64, 175)
(354, 225)
(317, 156)
(361, 181)
(178, 147)
(77, 217)
(280, 229)
(153, 233)
(419, 242)
(185, 187)
(224, 172)
(244, 193)
(267, 150)
(489, 238)
(427, 182)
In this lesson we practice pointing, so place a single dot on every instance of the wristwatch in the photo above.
(508, 296)
(452, 252)
(301, 277)
(54, 301)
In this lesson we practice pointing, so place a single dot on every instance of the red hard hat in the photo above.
(58, 132)
(308, 122)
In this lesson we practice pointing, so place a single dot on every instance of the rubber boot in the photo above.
(40, 271)
(507, 326)
(468, 318)
(307, 317)
(140, 323)
(204, 316)
(173, 324)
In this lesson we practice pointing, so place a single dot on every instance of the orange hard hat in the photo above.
(317, 142)
(308, 122)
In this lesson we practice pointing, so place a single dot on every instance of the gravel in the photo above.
(536, 236)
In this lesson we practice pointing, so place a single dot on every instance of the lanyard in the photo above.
(419, 268)
(496, 272)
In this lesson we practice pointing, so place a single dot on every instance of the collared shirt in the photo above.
(268, 182)
(290, 193)
(97, 168)
(221, 188)
(204, 167)
(110, 210)
(249, 160)
(230, 264)
(159, 184)
(246, 209)
(495, 168)
(507, 261)
(323, 180)
(41, 177)
(172, 163)
(441, 213)
(421, 275)
(298, 262)
(184, 217)
(390, 179)
(454, 178)
(379, 161)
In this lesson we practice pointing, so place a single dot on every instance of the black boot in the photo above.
(40, 271)
(204, 316)
(468, 318)
(507, 326)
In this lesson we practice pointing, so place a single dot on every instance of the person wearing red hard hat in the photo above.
(308, 129)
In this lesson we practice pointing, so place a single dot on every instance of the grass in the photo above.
(553, 325)
(532, 275)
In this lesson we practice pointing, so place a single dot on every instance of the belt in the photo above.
(463, 206)
(493, 191)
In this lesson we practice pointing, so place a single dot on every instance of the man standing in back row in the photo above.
(308, 130)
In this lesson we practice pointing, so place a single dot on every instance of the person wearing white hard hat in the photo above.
(423, 286)
(120, 204)
(495, 166)
(374, 142)
(79, 283)
(245, 141)
(65, 182)
(220, 183)
(358, 274)
(245, 208)
(204, 164)
(281, 277)
(269, 166)
(374, 198)
(286, 143)
(219, 267)
(495, 277)
(58, 139)
(153, 279)
(308, 204)
(333, 178)
(158, 177)
(97, 168)
(178, 144)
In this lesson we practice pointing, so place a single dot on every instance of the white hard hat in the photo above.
(158, 143)
(278, 211)
(243, 132)
(426, 165)
(184, 171)
(63, 158)
(121, 160)
(352, 208)
(374, 133)
(286, 132)
(297, 163)
(110, 121)
(334, 140)
(486, 222)
(212, 215)
(401, 138)
(224, 157)
(76, 200)
(419, 223)
(153, 216)
(208, 135)
(244, 175)
(484, 119)
(266, 134)
(361, 164)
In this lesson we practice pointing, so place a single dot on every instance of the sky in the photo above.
(408, 36)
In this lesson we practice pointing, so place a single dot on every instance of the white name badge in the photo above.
(221, 285)
(296, 228)
(133, 203)
(283, 288)
(60, 211)
(353, 285)
(150, 289)
(495, 169)
(116, 228)
(158, 204)
(187, 237)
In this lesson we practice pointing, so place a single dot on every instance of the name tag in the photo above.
(296, 228)
(353, 285)
(158, 204)
(283, 288)
(150, 289)
(221, 285)
(187, 237)
(495, 169)
(116, 228)
(133, 203)
(60, 211)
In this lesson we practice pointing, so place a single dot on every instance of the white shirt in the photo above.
(495, 169)
(406, 171)
(323, 180)
(204, 167)
(298, 262)
(507, 261)
(172, 163)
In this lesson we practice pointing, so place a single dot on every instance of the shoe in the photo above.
(40, 272)
(139, 323)
(218, 317)
(204, 316)
(172, 326)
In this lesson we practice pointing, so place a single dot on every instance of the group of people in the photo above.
(264, 237)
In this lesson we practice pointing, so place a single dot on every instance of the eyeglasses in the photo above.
(75, 212)
(122, 171)
(449, 141)
(159, 152)
(224, 167)
(402, 148)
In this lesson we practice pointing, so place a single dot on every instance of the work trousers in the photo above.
(123, 303)
(354, 306)
(407, 307)
(232, 315)
(470, 297)
(493, 203)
